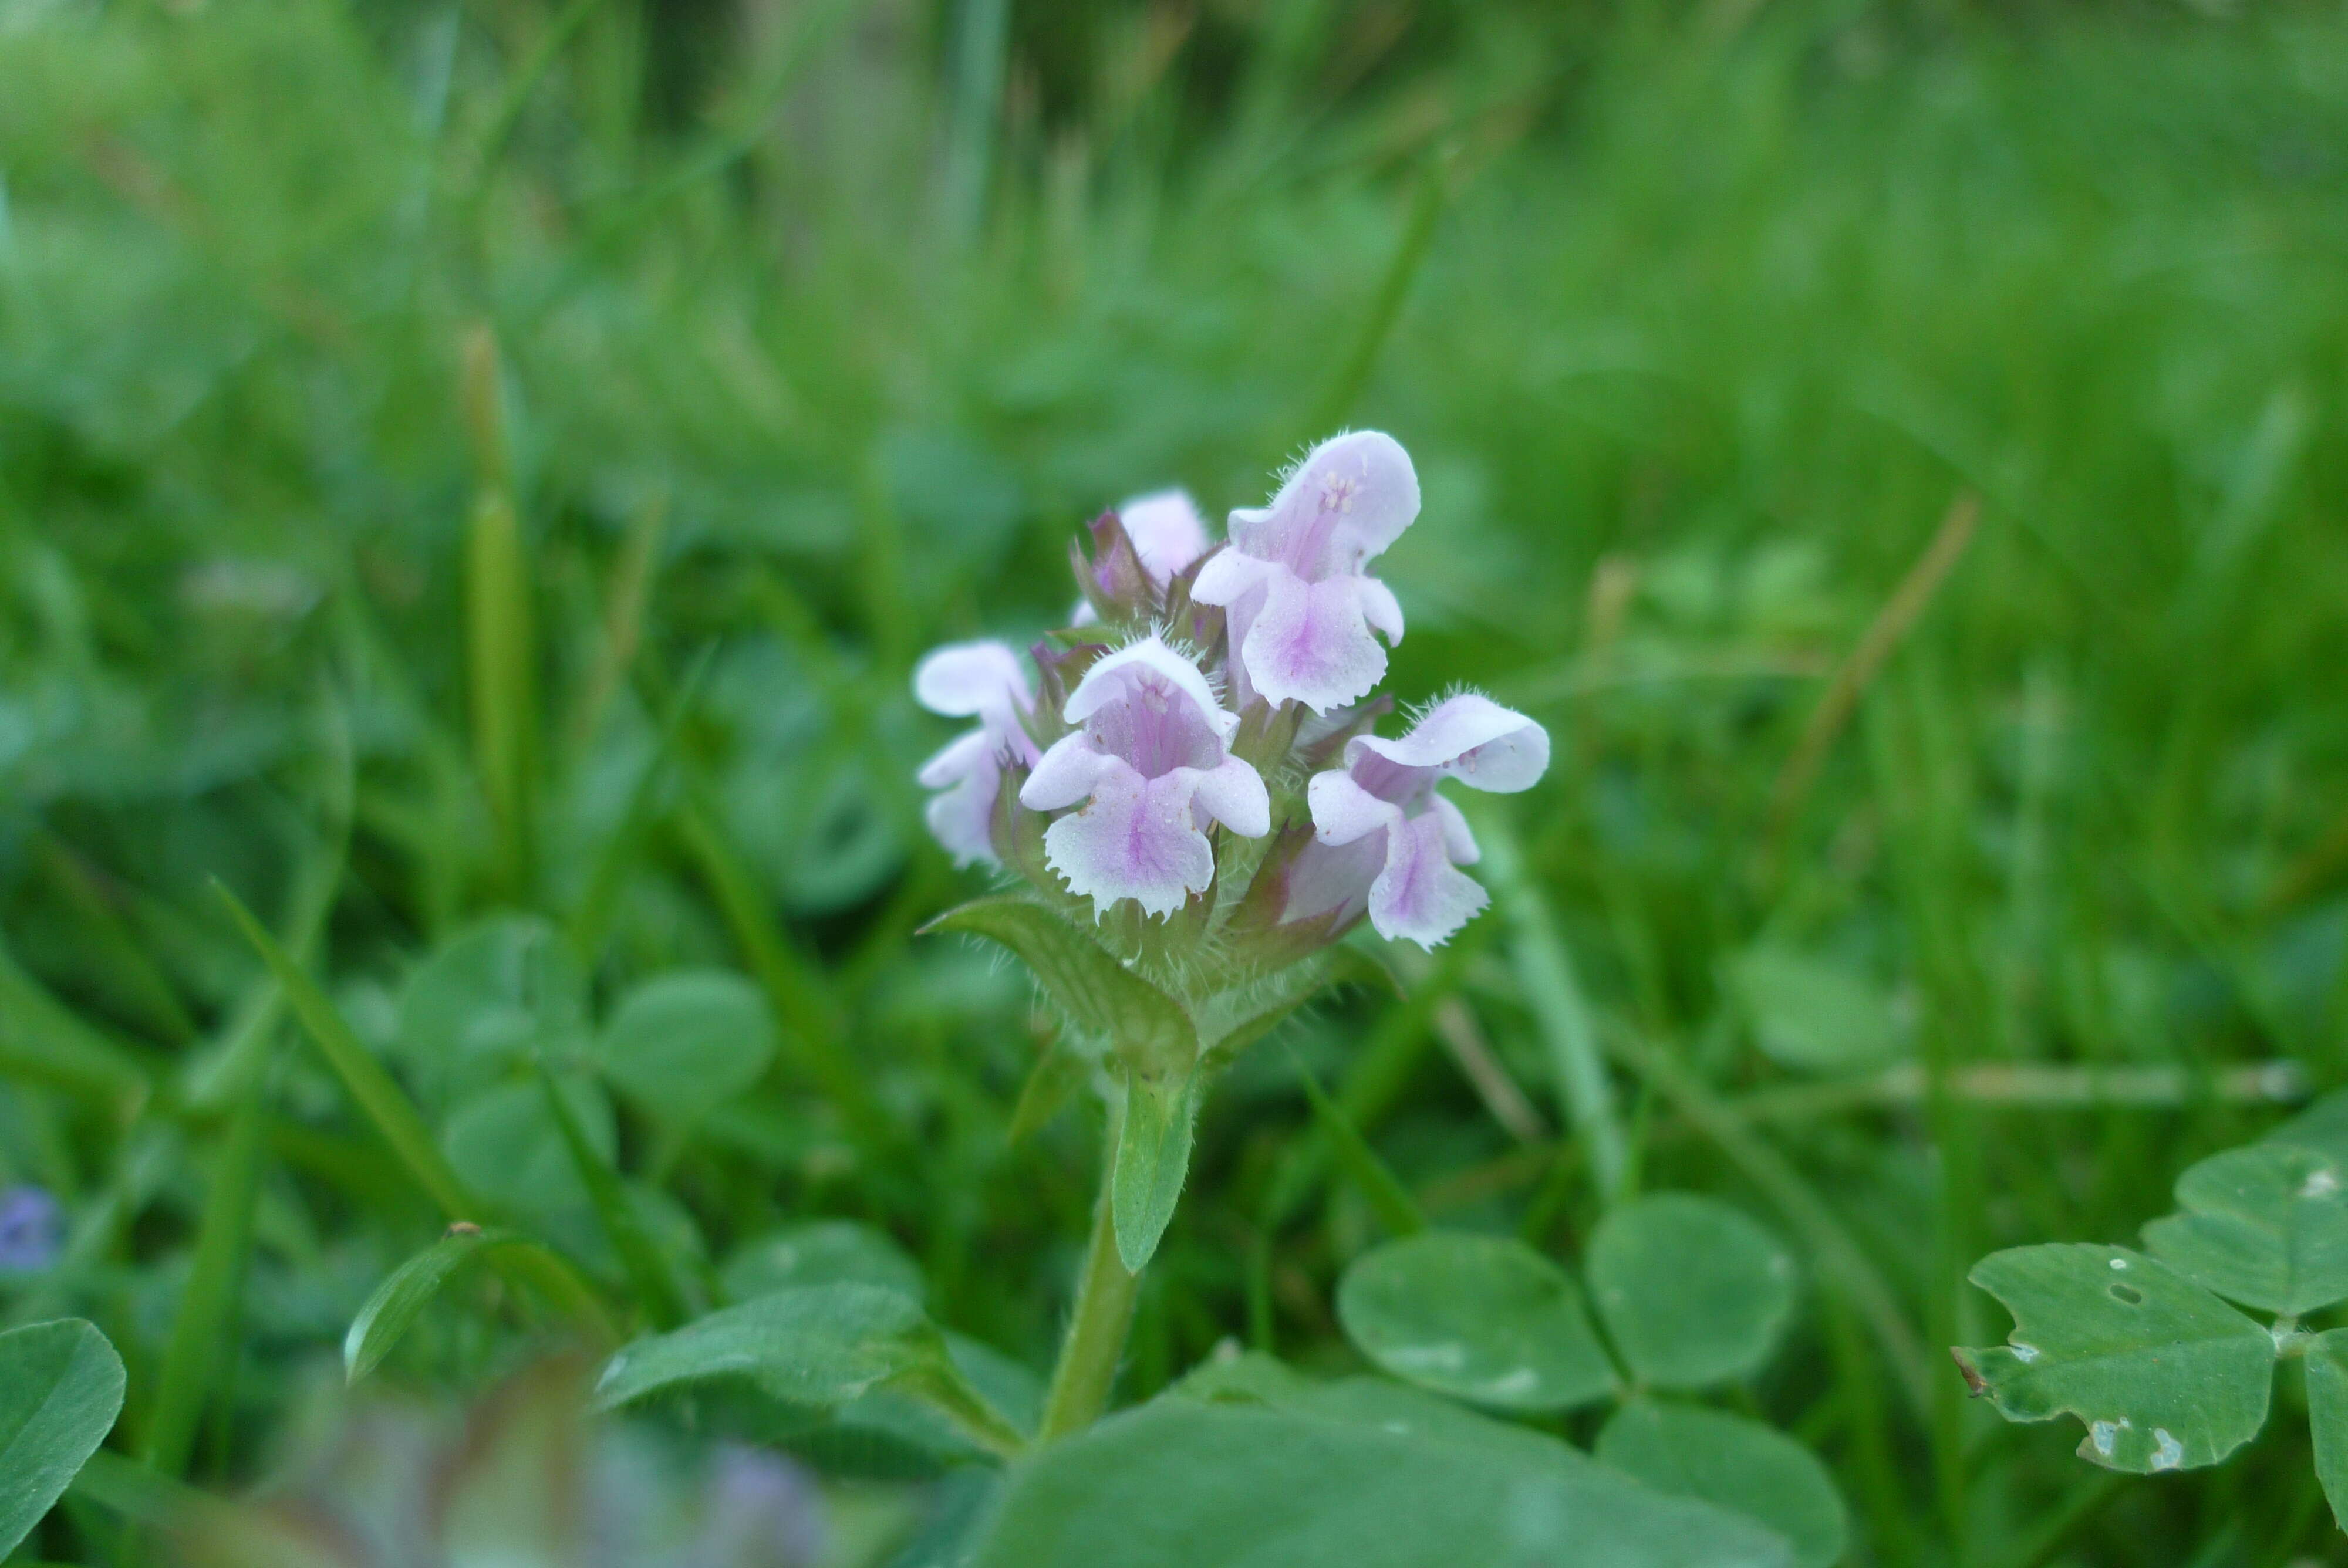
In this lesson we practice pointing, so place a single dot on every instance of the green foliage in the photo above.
(403, 1296)
(1813, 1014)
(1151, 1160)
(1690, 1291)
(60, 1388)
(1368, 1475)
(1484, 1318)
(2266, 1226)
(685, 1043)
(816, 1346)
(1103, 998)
(1736, 1465)
(2164, 1374)
(591, 410)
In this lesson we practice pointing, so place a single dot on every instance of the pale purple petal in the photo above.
(1065, 774)
(1233, 793)
(1469, 738)
(1458, 839)
(1167, 532)
(1309, 643)
(1351, 498)
(982, 679)
(1134, 839)
(1421, 896)
(1326, 880)
(1343, 811)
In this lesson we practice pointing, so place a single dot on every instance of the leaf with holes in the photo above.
(2164, 1375)
(1101, 996)
(1733, 1464)
(1479, 1317)
(1692, 1291)
(2266, 1225)
(60, 1389)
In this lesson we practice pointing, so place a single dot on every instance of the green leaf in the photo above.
(503, 1142)
(2322, 1127)
(60, 1388)
(1692, 1291)
(1144, 1025)
(815, 1347)
(2327, 1417)
(1734, 1463)
(1813, 1014)
(1153, 1160)
(685, 1043)
(1358, 1475)
(1481, 1317)
(375, 1090)
(499, 993)
(2164, 1375)
(820, 1252)
(657, 1291)
(400, 1299)
(2266, 1225)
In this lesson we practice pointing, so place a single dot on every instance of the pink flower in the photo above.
(1384, 841)
(1151, 765)
(1302, 609)
(985, 681)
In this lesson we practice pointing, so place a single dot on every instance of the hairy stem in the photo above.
(1098, 1325)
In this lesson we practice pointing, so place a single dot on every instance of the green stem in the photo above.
(1103, 1316)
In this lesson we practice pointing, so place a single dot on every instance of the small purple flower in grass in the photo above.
(31, 1230)
(1384, 841)
(1301, 607)
(986, 682)
(1151, 764)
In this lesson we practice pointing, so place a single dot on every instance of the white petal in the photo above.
(1472, 739)
(965, 678)
(1323, 880)
(1102, 683)
(1234, 796)
(1065, 774)
(1167, 532)
(1380, 607)
(956, 760)
(1343, 811)
(1226, 577)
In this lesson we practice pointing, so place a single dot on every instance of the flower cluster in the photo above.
(1201, 743)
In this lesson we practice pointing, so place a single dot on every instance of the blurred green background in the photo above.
(795, 335)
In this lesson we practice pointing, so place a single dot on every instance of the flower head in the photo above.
(1301, 607)
(983, 680)
(1149, 766)
(1385, 843)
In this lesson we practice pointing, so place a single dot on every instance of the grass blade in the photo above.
(378, 1095)
(1389, 1199)
(400, 1299)
(648, 1271)
(206, 1320)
